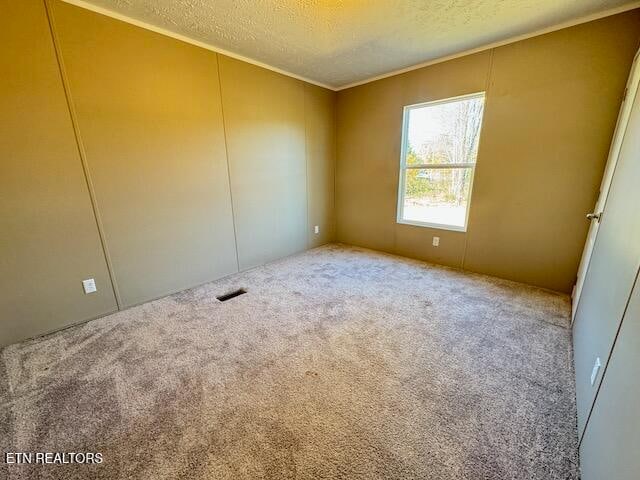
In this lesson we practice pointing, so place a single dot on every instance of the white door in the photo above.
(612, 272)
(614, 152)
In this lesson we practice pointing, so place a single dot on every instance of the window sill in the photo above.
(437, 226)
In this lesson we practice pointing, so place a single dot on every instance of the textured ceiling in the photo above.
(338, 42)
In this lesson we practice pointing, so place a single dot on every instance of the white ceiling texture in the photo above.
(338, 43)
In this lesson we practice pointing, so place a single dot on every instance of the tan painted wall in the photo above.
(319, 110)
(158, 138)
(150, 119)
(149, 113)
(369, 125)
(266, 148)
(280, 141)
(49, 240)
(551, 107)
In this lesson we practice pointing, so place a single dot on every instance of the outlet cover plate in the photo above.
(89, 285)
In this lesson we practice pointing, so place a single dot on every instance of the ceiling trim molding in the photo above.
(559, 26)
(163, 31)
(168, 33)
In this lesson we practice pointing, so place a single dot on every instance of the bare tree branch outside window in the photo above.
(440, 154)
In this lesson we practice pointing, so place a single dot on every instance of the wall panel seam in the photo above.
(306, 164)
(336, 132)
(81, 151)
(334, 206)
(487, 96)
(226, 153)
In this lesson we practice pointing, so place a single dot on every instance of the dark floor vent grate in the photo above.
(230, 295)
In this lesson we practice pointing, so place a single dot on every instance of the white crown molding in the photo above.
(147, 26)
(559, 26)
(577, 21)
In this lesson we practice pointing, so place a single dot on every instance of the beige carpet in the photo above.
(338, 363)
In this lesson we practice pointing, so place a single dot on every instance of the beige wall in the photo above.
(369, 126)
(319, 110)
(49, 241)
(266, 148)
(159, 144)
(199, 164)
(551, 107)
(150, 120)
(281, 151)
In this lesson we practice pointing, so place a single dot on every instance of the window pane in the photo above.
(437, 195)
(445, 132)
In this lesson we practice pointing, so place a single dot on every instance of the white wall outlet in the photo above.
(436, 241)
(89, 285)
(596, 369)
(316, 229)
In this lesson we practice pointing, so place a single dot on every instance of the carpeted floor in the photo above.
(338, 363)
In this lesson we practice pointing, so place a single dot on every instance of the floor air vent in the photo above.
(230, 295)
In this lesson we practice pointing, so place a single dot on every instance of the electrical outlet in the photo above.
(316, 229)
(596, 369)
(436, 241)
(89, 285)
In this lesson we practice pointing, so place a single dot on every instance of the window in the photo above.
(439, 150)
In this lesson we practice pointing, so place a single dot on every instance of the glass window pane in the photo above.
(445, 132)
(437, 195)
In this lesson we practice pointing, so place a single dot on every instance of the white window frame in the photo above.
(404, 167)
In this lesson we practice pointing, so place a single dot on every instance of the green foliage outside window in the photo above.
(457, 145)
(438, 185)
